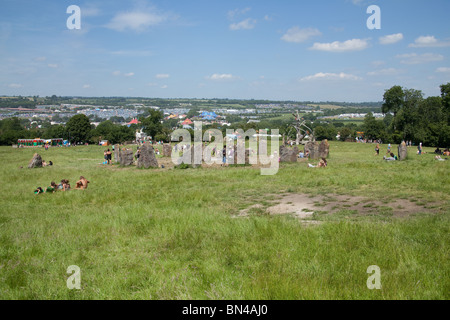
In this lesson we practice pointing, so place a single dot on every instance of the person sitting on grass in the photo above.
(52, 187)
(64, 185)
(82, 183)
(438, 158)
(38, 190)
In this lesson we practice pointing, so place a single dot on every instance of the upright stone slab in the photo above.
(126, 157)
(238, 159)
(35, 162)
(116, 153)
(324, 149)
(147, 157)
(196, 156)
(402, 151)
(288, 155)
(313, 148)
(167, 150)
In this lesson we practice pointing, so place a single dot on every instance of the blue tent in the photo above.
(208, 115)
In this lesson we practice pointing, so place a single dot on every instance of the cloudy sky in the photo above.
(247, 49)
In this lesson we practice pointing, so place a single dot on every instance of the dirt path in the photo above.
(303, 206)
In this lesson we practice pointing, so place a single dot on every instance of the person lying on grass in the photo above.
(82, 183)
(52, 187)
(392, 157)
(322, 164)
(38, 190)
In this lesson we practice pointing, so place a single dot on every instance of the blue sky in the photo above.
(246, 49)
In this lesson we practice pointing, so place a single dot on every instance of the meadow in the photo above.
(177, 234)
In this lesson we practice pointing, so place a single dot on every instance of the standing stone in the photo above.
(313, 148)
(147, 157)
(196, 156)
(245, 158)
(126, 157)
(288, 155)
(116, 153)
(324, 149)
(35, 162)
(402, 151)
(167, 150)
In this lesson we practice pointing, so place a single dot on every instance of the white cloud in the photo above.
(443, 70)
(40, 59)
(391, 39)
(116, 73)
(162, 76)
(130, 74)
(164, 86)
(221, 77)
(414, 58)
(378, 63)
(90, 11)
(247, 24)
(52, 65)
(132, 53)
(15, 85)
(349, 45)
(236, 12)
(428, 41)
(86, 86)
(385, 72)
(298, 35)
(138, 20)
(331, 76)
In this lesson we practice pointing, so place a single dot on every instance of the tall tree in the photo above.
(393, 100)
(152, 124)
(78, 128)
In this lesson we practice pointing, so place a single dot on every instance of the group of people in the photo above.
(64, 185)
(45, 164)
(446, 152)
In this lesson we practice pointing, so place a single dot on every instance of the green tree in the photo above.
(373, 129)
(78, 128)
(393, 100)
(152, 124)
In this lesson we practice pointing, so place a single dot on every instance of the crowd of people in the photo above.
(64, 185)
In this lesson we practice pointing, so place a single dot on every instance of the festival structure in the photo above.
(38, 142)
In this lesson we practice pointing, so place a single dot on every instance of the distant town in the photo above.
(123, 111)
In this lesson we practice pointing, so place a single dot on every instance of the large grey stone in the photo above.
(35, 162)
(147, 157)
(116, 153)
(324, 149)
(402, 151)
(313, 148)
(167, 150)
(126, 157)
(288, 155)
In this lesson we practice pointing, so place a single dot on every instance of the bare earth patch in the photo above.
(303, 206)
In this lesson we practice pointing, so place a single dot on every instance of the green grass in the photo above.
(174, 234)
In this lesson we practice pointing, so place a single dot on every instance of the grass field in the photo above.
(177, 234)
